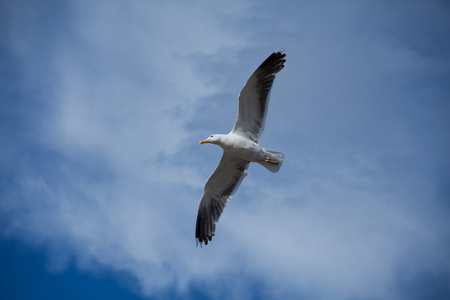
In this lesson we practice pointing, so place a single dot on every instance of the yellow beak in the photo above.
(203, 141)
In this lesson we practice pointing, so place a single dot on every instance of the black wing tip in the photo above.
(274, 63)
(204, 239)
(277, 55)
(280, 52)
(205, 227)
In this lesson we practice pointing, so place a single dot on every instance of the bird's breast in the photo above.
(244, 148)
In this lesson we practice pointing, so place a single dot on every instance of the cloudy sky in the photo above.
(102, 107)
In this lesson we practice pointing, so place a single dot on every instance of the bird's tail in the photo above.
(273, 160)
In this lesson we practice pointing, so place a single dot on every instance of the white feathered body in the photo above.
(246, 149)
(241, 147)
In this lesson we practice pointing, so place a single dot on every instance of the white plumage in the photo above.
(240, 147)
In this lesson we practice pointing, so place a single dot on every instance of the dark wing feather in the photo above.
(220, 186)
(254, 97)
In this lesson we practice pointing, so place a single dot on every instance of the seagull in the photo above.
(240, 147)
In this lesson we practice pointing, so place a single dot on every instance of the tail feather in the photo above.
(274, 161)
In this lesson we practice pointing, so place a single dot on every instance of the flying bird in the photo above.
(240, 147)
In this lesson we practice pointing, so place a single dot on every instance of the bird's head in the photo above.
(211, 139)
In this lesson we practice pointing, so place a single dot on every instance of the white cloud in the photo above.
(121, 175)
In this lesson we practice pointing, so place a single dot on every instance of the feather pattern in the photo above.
(254, 97)
(219, 188)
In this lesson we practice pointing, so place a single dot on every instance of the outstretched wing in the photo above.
(219, 188)
(254, 97)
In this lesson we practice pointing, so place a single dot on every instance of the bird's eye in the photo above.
(211, 136)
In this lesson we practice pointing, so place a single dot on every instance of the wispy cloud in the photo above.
(102, 164)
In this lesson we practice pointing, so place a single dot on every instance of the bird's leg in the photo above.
(272, 161)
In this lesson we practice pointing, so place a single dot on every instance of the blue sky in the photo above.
(102, 107)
